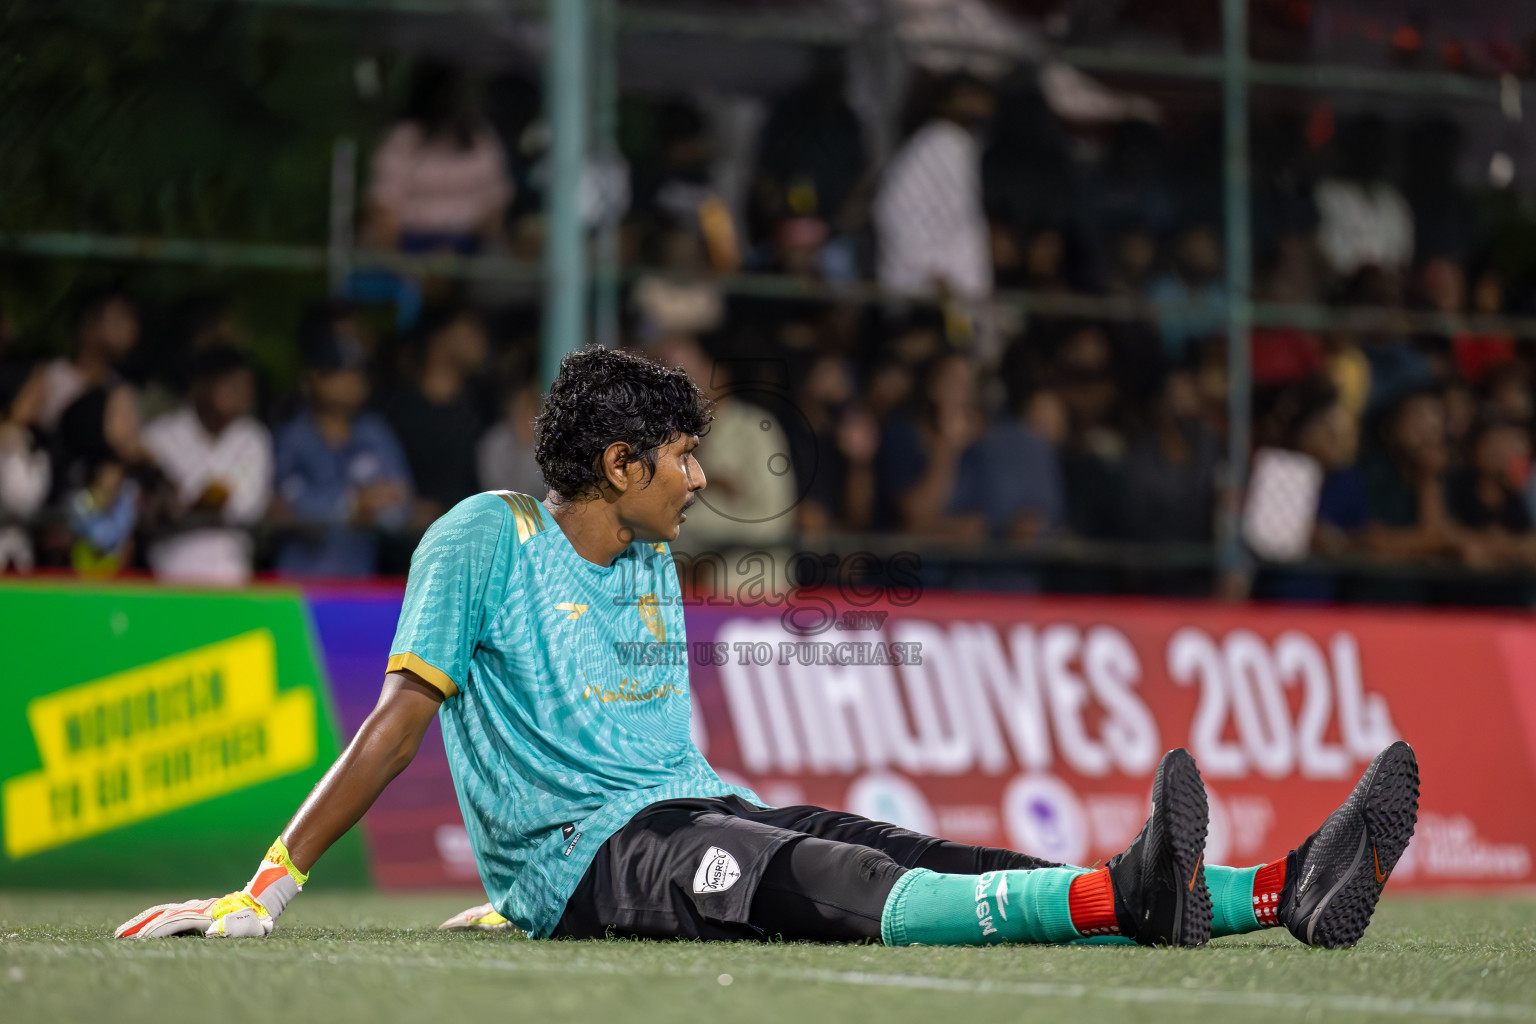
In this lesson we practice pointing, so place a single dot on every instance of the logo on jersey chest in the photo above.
(650, 614)
(717, 872)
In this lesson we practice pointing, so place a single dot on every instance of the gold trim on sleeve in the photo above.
(429, 674)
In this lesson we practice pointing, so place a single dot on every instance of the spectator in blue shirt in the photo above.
(341, 476)
(1012, 476)
(1191, 301)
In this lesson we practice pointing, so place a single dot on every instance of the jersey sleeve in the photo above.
(458, 573)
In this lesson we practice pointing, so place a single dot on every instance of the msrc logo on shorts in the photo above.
(717, 872)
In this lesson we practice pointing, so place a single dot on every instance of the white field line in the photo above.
(1459, 1009)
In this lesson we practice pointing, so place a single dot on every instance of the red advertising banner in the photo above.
(1037, 723)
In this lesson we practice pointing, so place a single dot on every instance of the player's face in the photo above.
(656, 510)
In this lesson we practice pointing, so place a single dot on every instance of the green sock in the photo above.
(928, 908)
(1231, 899)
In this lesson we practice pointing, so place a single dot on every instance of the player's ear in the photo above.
(613, 466)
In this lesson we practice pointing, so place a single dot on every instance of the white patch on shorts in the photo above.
(717, 872)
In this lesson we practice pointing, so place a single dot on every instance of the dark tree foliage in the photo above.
(201, 119)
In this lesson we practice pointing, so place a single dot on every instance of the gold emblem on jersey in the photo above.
(650, 611)
(576, 610)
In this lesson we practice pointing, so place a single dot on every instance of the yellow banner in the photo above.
(155, 738)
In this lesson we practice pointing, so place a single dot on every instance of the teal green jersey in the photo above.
(567, 704)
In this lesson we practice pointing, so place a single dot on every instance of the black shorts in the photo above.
(721, 868)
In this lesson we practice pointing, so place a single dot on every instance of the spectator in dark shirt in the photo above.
(1170, 471)
(1484, 495)
(1405, 483)
(921, 454)
(340, 472)
(1084, 372)
(435, 413)
(810, 160)
(106, 330)
(102, 477)
(833, 450)
(1324, 432)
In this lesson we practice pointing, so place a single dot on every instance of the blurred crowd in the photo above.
(939, 411)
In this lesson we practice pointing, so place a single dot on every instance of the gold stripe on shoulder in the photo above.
(525, 513)
(535, 514)
(519, 516)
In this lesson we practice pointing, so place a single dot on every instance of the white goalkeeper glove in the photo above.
(250, 913)
(484, 918)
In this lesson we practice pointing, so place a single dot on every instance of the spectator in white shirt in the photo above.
(218, 460)
(930, 224)
(106, 330)
(1364, 219)
(440, 179)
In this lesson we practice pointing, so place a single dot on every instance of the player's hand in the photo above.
(236, 916)
(247, 914)
(483, 918)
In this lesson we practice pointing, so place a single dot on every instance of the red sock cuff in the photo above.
(1267, 884)
(1092, 902)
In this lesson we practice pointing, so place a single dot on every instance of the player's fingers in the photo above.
(240, 924)
(483, 918)
(167, 919)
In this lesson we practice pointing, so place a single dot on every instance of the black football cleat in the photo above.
(1334, 878)
(1159, 887)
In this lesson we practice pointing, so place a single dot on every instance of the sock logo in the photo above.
(717, 872)
(984, 902)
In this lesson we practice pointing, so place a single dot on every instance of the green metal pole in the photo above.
(342, 237)
(1239, 246)
(565, 102)
(605, 143)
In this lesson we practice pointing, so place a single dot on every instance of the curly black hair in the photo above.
(607, 395)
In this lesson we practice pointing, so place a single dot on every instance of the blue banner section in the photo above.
(354, 629)
(415, 832)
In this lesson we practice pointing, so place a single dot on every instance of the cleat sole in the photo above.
(1187, 822)
(1390, 810)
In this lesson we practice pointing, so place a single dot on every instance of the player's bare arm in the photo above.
(385, 744)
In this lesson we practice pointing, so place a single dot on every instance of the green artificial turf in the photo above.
(341, 958)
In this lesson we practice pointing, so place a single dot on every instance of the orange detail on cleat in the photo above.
(1196, 875)
(1380, 878)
